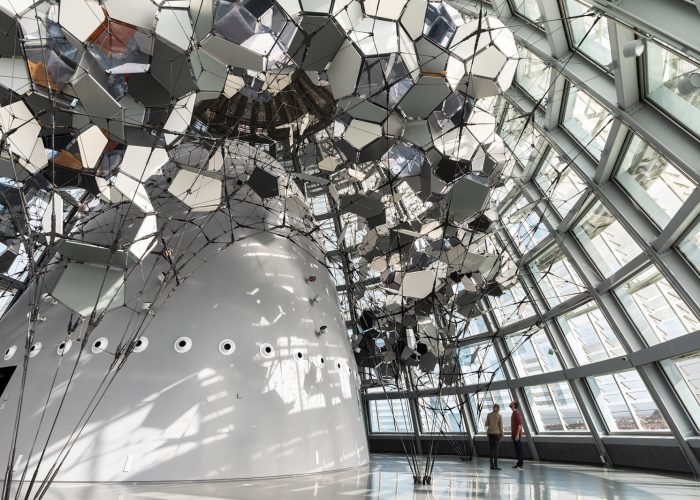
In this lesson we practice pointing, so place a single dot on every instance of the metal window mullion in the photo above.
(579, 207)
(614, 148)
(555, 99)
(679, 223)
(624, 68)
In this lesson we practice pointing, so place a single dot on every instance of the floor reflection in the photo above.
(388, 477)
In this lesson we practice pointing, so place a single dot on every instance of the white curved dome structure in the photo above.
(242, 370)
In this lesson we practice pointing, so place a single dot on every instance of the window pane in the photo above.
(525, 225)
(519, 134)
(481, 404)
(532, 74)
(512, 306)
(605, 240)
(440, 414)
(532, 354)
(625, 403)
(656, 185)
(554, 408)
(673, 83)
(589, 334)
(390, 415)
(475, 326)
(557, 279)
(690, 246)
(656, 308)
(480, 363)
(529, 9)
(596, 44)
(462, 327)
(587, 121)
(684, 374)
(560, 183)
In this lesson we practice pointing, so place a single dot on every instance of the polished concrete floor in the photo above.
(388, 477)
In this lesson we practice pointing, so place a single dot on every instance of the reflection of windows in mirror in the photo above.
(625, 403)
(653, 182)
(589, 335)
(690, 246)
(673, 84)
(6, 298)
(588, 32)
(532, 74)
(587, 121)
(555, 276)
(384, 80)
(655, 307)
(684, 374)
(605, 240)
(320, 205)
(554, 408)
(329, 234)
(560, 183)
(441, 22)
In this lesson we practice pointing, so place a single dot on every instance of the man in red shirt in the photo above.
(516, 432)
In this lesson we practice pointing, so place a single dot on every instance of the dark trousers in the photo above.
(494, 442)
(518, 451)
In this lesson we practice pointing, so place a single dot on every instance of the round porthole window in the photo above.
(10, 351)
(64, 347)
(140, 344)
(267, 351)
(183, 344)
(319, 361)
(227, 346)
(338, 365)
(299, 355)
(99, 345)
(34, 349)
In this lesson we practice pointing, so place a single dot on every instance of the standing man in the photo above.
(494, 430)
(516, 432)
